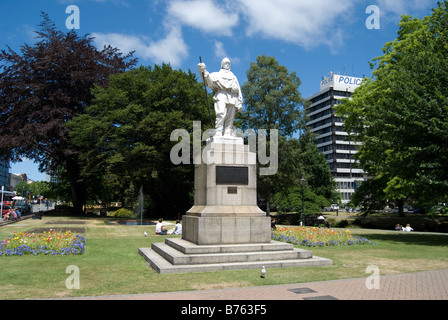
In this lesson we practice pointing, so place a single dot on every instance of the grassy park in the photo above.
(111, 265)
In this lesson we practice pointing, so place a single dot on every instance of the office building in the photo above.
(332, 140)
(4, 174)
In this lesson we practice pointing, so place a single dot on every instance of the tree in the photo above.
(125, 134)
(272, 101)
(291, 201)
(43, 88)
(317, 172)
(320, 188)
(31, 190)
(400, 113)
(271, 98)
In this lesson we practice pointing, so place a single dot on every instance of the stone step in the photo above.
(177, 257)
(188, 247)
(162, 266)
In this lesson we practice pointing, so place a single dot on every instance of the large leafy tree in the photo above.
(272, 98)
(125, 134)
(319, 189)
(401, 113)
(42, 88)
(273, 102)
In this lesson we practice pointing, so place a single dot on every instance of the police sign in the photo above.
(349, 80)
(340, 82)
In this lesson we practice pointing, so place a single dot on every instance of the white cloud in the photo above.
(305, 23)
(392, 10)
(221, 53)
(400, 7)
(172, 49)
(204, 15)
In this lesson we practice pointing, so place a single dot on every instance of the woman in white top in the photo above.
(159, 227)
(178, 228)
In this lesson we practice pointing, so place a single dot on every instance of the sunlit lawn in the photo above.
(111, 264)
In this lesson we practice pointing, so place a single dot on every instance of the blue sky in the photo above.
(312, 38)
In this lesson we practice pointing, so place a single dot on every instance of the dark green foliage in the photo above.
(125, 135)
(271, 98)
(401, 114)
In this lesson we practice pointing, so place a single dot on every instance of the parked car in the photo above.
(395, 210)
(23, 206)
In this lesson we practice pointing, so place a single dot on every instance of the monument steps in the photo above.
(176, 257)
(170, 257)
(188, 247)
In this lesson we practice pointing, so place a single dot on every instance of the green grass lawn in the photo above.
(111, 264)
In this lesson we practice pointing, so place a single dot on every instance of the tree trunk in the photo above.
(78, 197)
(77, 187)
(400, 204)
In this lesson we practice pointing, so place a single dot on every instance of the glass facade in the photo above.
(4, 174)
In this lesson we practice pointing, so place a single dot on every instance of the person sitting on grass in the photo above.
(177, 228)
(159, 228)
(18, 214)
(12, 215)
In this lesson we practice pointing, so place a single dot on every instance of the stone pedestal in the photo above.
(225, 207)
(226, 230)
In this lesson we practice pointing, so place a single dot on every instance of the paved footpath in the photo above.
(426, 285)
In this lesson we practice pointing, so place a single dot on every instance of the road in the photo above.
(42, 207)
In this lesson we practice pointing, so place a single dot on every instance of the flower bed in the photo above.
(47, 243)
(317, 237)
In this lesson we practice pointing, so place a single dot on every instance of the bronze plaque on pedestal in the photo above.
(232, 175)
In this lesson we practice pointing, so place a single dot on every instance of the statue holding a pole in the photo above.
(228, 99)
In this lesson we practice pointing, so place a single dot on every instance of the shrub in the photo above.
(341, 224)
(123, 213)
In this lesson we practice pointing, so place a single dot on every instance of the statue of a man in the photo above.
(228, 97)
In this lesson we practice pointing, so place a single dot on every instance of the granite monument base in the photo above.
(226, 230)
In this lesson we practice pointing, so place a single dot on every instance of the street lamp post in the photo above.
(302, 182)
(1, 205)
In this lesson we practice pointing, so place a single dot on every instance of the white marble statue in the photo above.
(228, 98)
